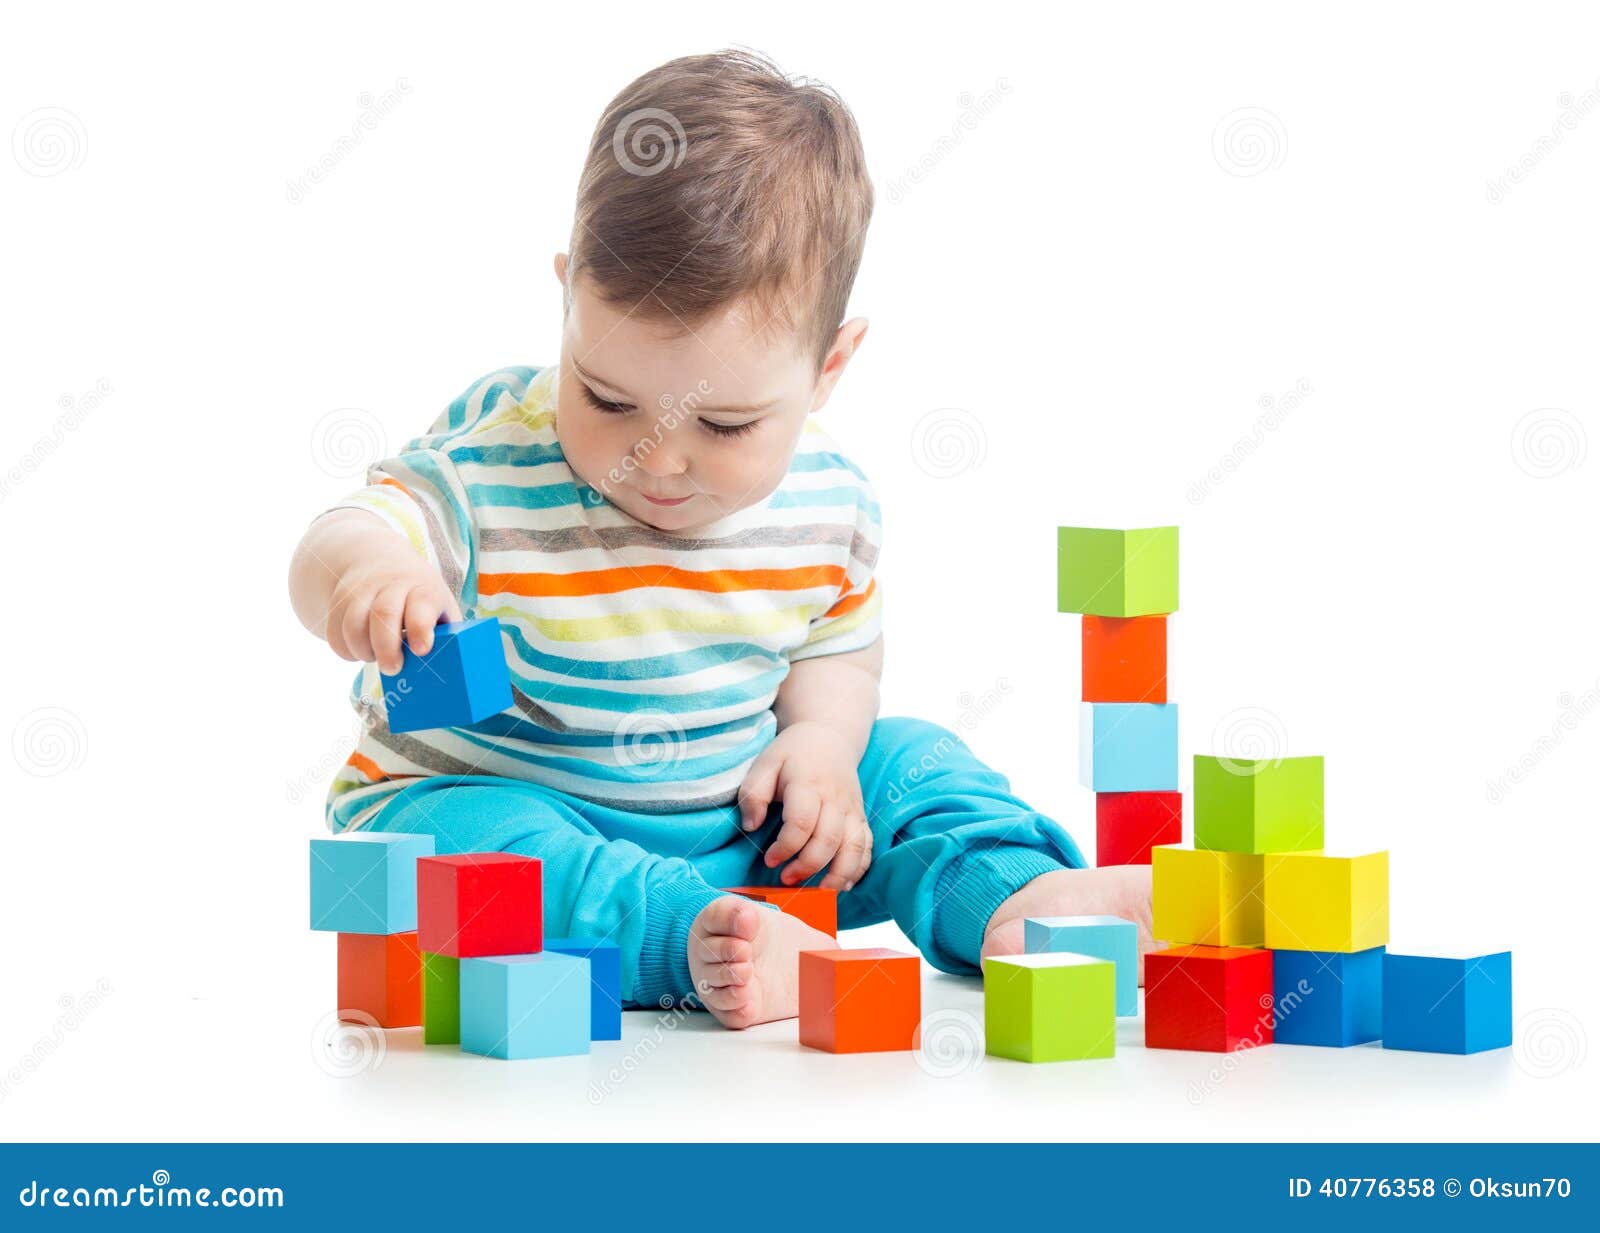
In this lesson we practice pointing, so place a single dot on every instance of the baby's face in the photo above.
(679, 429)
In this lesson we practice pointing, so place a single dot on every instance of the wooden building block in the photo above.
(816, 905)
(1258, 805)
(605, 980)
(522, 1006)
(860, 1001)
(1317, 902)
(1128, 746)
(380, 975)
(462, 680)
(1328, 997)
(1447, 1003)
(1117, 573)
(1125, 659)
(480, 903)
(1049, 1007)
(441, 999)
(1128, 824)
(1100, 937)
(1210, 998)
(1206, 898)
(366, 881)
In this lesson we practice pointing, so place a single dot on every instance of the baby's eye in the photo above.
(729, 430)
(600, 404)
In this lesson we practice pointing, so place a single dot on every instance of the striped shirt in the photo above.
(644, 665)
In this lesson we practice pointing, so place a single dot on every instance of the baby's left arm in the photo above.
(825, 710)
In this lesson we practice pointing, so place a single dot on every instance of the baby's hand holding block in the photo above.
(462, 680)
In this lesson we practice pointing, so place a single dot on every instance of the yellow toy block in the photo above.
(1317, 902)
(1205, 898)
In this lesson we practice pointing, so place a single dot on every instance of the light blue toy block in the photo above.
(605, 981)
(1128, 746)
(1099, 937)
(461, 680)
(366, 881)
(521, 1006)
(1447, 1003)
(1327, 997)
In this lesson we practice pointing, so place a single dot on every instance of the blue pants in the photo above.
(950, 843)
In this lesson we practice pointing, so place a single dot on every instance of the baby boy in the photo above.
(682, 565)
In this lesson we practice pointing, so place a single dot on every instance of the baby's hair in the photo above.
(715, 178)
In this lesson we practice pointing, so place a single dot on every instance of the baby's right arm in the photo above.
(357, 583)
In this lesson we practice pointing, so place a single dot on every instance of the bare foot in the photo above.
(745, 960)
(1116, 890)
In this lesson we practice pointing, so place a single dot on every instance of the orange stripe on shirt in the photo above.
(610, 581)
(851, 602)
(367, 767)
(387, 479)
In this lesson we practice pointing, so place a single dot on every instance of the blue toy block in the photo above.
(1447, 1003)
(1128, 746)
(605, 982)
(461, 680)
(520, 1006)
(366, 881)
(1099, 937)
(1325, 997)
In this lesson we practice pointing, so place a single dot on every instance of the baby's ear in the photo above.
(561, 268)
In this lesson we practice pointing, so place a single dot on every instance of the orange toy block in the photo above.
(1125, 659)
(819, 908)
(380, 974)
(860, 1001)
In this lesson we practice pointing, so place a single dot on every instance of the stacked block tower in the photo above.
(455, 944)
(1124, 585)
(1268, 936)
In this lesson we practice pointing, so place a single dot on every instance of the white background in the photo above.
(1110, 244)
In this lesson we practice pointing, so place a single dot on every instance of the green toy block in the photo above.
(1258, 805)
(441, 1000)
(1049, 1008)
(1117, 573)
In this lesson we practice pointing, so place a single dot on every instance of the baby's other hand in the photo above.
(812, 771)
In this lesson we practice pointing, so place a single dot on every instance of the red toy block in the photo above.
(380, 974)
(1125, 659)
(1212, 998)
(480, 904)
(860, 1001)
(1128, 824)
(817, 906)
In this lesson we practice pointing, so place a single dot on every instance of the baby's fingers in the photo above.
(801, 807)
(819, 849)
(756, 792)
(383, 626)
(855, 855)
